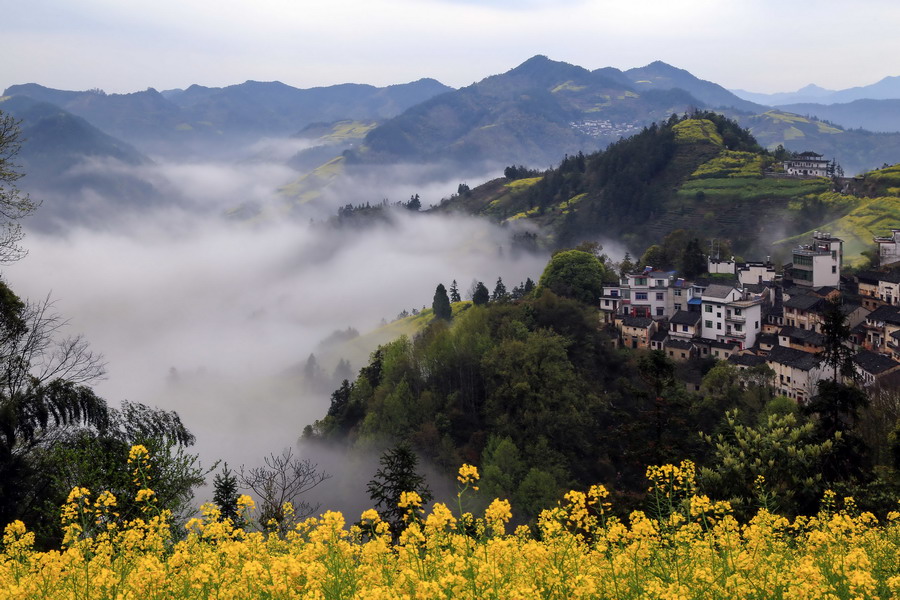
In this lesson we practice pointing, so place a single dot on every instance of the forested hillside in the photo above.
(701, 173)
(532, 391)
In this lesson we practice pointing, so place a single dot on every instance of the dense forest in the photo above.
(534, 393)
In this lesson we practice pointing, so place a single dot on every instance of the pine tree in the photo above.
(480, 295)
(500, 294)
(225, 496)
(454, 292)
(441, 304)
(396, 475)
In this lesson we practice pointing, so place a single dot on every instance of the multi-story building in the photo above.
(649, 293)
(796, 372)
(730, 314)
(871, 366)
(818, 264)
(809, 164)
(889, 247)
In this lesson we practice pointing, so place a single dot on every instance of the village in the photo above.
(753, 313)
(760, 316)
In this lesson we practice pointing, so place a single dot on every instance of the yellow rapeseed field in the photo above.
(690, 548)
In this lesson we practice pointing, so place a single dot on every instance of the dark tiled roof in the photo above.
(716, 290)
(723, 345)
(747, 360)
(659, 336)
(793, 358)
(769, 339)
(803, 335)
(641, 322)
(874, 363)
(888, 314)
(870, 277)
(803, 302)
(678, 344)
(683, 317)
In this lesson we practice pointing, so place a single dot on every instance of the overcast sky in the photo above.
(758, 45)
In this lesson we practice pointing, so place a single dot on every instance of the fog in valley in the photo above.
(215, 316)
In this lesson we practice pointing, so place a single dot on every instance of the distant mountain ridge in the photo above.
(201, 119)
(531, 114)
(887, 88)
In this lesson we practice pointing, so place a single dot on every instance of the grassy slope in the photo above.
(724, 193)
(358, 349)
(863, 216)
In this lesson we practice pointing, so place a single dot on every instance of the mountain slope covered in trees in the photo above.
(702, 173)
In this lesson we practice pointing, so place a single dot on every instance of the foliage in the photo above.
(396, 477)
(225, 495)
(441, 303)
(480, 295)
(778, 459)
(574, 274)
(687, 547)
(280, 483)
(13, 204)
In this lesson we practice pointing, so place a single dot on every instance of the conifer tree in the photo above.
(500, 294)
(480, 295)
(454, 292)
(225, 496)
(441, 304)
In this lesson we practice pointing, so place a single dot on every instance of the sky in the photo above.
(757, 45)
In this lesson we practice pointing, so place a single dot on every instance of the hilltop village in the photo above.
(752, 313)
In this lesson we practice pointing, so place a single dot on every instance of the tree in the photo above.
(500, 294)
(414, 203)
(41, 391)
(574, 274)
(97, 458)
(693, 261)
(282, 479)
(441, 303)
(480, 295)
(397, 475)
(835, 330)
(225, 495)
(13, 204)
(454, 292)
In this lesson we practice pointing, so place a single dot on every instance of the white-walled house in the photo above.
(729, 314)
(808, 164)
(796, 372)
(889, 247)
(819, 263)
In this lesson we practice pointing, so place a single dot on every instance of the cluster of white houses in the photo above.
(750, 315)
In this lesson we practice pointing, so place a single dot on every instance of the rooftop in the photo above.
(683, 317)
(874, 363)
(798, 359)
(639, 322)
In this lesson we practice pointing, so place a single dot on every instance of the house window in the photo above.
(640, 281)
(659, 311)
(683, 355)
(640, 295)
(718, 326)
(708, 308)
(677, 292)
(660, 283)
(834, 268)
(684, 328)
(707, 323)
(737, 328)
(660, 296)
(677, 307)
(614, 293)
(737, 312)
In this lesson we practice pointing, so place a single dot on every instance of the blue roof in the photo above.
(695, 301)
